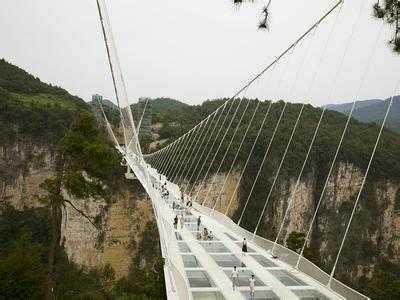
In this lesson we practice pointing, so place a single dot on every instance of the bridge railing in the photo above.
(286, 255)
(173, 260)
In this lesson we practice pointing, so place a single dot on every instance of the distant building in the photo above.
(97, 97)
(144, 105)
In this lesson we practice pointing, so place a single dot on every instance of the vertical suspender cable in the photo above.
(363, 183)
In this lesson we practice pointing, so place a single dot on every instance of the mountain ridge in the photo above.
(372, 111)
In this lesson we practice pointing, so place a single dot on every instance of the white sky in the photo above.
(197, 50)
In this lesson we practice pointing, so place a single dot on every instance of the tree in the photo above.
(295, 241)
(85, 166)
(390, 12)
(21, 272)
(383, 285)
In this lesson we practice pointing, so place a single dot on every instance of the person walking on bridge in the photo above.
(252, 284)
(235, 278)
(244, 246)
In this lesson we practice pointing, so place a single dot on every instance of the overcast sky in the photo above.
(197, 50)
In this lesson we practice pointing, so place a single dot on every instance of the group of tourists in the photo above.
(205, 234)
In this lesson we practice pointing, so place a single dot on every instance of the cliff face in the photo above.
(24, 166)
(211, 188)
(374, 231)
(122, 222)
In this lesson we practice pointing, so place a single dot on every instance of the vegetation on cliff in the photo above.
(84, 165)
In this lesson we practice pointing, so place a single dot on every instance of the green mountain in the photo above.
(373, 111)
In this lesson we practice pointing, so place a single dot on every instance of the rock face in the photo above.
(122, 225)
(374, 232)
(123, 221)
(24, 167)
(221, 189)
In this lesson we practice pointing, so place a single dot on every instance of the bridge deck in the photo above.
(208, 264)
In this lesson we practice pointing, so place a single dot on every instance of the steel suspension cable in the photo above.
(192, 158)
(363, 182)
(219, 145)
(185, 153)
(340, 143)
(291, 136)
(178, 159)
(237, 154)
(197, 152)
(278, 58)
(174, 161)
(248, 157)
(209, 140)
(323, 53)
(240, 146)
(230, 143)
(269, 144)
(169, 161)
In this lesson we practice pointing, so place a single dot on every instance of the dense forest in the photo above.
(33, 263)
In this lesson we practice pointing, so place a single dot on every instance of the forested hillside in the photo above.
(50, 143)
(373, 111)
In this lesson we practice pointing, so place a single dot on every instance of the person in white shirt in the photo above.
(235, 278)
(252, 283)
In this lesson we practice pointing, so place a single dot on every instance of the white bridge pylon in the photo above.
(200, 268)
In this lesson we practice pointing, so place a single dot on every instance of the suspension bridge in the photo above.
(199, 241)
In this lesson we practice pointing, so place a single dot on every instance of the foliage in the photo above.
(146, 276)
(390, 12)
(143, 282)
(22, 275)
(16, 80)
(383, 285)
(295, 241)
(24, 244)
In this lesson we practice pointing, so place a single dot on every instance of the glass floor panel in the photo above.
(214, 247)
(190, 261)
(190, 219)
(193, 227)
(309, 295)
(199, 278)
(265, 295)
(231, 237)
(207, 296)
(287, 278)
(244, 276)
(227, 260)
(249, 249)
(262, 260)
(183, 247)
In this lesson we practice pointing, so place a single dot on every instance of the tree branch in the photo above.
(81, 213)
